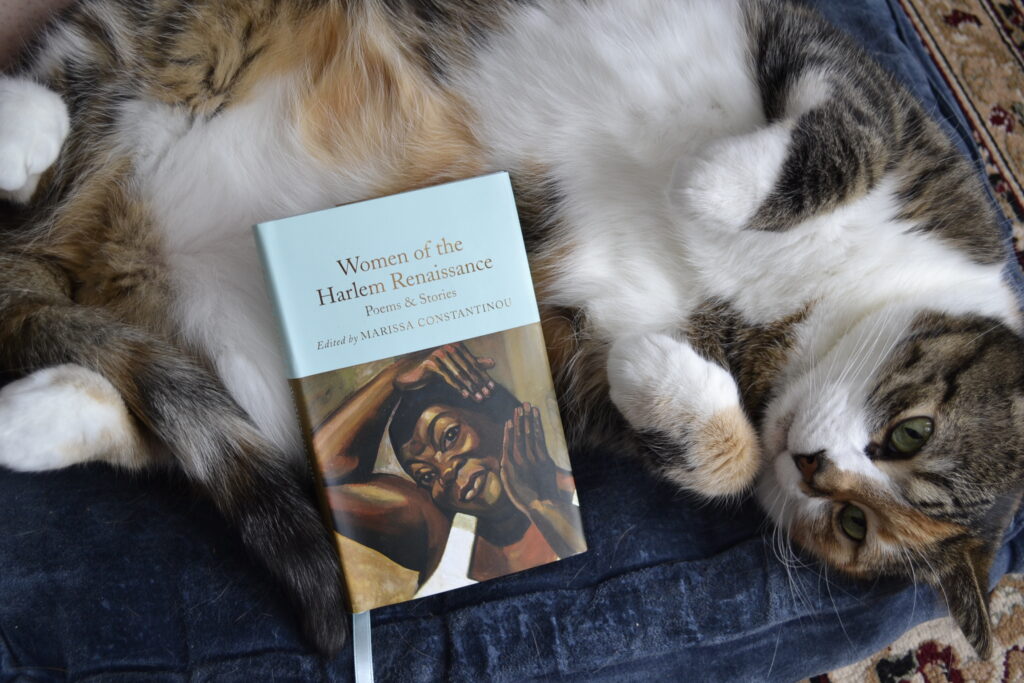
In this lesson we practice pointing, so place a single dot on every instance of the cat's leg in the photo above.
(810, 161)
(33, 125)
(687, 410)
(66, 415)
(180, 403)
(729, 180)
(839, 145)
(835, 123)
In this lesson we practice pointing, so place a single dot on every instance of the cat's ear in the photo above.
(964, 583)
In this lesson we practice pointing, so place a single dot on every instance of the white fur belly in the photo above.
(621, 124)
(641, 255)
(206, 184)
(607, 97)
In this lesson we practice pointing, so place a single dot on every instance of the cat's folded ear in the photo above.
(964, 584)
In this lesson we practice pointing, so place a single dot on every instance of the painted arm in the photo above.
(392, 516)
(346, 443)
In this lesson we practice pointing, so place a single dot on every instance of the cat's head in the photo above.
(902, 453)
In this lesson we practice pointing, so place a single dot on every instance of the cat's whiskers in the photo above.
(789, 559)
(880, 360)
(994, 327)
(835, 607)
(905, 556)
(776, 530)
(855, 357)
(939, 585)
(784, 553)
(865, 348)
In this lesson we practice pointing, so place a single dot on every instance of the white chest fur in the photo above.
(207, 183)
(617, 122)
(623, 125)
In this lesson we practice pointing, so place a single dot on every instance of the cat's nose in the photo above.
(808, 464)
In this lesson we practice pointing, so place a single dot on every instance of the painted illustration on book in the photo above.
(416, 359)
(443, 467)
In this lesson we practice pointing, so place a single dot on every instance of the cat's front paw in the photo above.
(636, 372)
(33, 125)
(726, 184)
(63, 416)
(686, 409)
(657, 381)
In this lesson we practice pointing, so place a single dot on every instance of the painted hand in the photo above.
(528, 473)
(454, 364)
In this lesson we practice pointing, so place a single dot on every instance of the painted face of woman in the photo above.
(455, 454)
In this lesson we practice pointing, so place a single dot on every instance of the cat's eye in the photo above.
(910, 436)
(853, 522)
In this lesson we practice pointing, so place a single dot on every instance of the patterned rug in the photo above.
(978, 46)
(936, 651)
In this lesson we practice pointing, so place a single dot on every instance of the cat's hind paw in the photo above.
(62, 416)
(687, 411)
(33, 125)
(728, 182)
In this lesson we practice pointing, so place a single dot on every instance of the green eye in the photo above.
(853, 522)
(911, 435)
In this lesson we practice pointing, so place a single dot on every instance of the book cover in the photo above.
(418, 367)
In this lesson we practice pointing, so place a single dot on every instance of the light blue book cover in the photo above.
(418, 366)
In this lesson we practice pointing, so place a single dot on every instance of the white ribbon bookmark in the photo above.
(362, 648)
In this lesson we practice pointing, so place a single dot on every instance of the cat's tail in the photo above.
(186, 408)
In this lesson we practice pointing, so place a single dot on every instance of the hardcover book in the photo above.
(416, 359)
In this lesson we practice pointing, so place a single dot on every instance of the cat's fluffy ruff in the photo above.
(680, 170)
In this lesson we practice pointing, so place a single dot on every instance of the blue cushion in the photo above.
(108, 576)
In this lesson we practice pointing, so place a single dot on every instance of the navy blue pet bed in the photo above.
(106, 576)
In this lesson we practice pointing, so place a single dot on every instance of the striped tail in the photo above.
(187, 409)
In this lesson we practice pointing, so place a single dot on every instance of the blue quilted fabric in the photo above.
(110, 577)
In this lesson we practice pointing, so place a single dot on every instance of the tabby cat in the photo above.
(757, 256)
